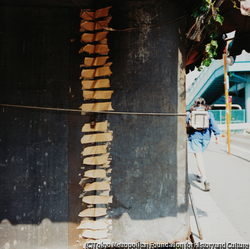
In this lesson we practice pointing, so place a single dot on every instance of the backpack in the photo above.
(199, 119)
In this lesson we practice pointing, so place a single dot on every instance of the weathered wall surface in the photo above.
(148, 180)
(40, 151)
(39, 67)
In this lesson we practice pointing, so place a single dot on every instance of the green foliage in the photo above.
(207, 62)
(213, 34)
(204, 7)
(211, 30)
(219, 18)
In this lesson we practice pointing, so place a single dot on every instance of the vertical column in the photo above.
(97, 93)
(144, 198)
(149, 177)
(247, 98)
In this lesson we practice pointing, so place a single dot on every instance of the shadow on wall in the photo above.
(34, 166)
(40, 65)
(144, 177)
(38, 148)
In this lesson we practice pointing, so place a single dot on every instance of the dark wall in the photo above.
(39, 67)
(148, 152)
(40, 150)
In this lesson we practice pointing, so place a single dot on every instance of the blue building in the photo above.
(210, 85)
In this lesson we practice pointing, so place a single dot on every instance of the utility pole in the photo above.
(226, 86)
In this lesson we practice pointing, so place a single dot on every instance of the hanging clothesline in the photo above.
(89, 111)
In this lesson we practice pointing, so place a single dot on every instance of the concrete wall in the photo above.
(148, 180)
(39, 64)
(40, 158)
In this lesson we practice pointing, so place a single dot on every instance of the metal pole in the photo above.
(226, 86)
(194, 211)
(230, 101)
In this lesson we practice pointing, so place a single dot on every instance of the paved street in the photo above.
(224, 212)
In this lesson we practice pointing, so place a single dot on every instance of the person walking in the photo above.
(198, 139)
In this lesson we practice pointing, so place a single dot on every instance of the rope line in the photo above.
(86, 111)
(76, 3)
(146, 26)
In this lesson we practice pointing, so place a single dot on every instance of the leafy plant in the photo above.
(211, 29)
